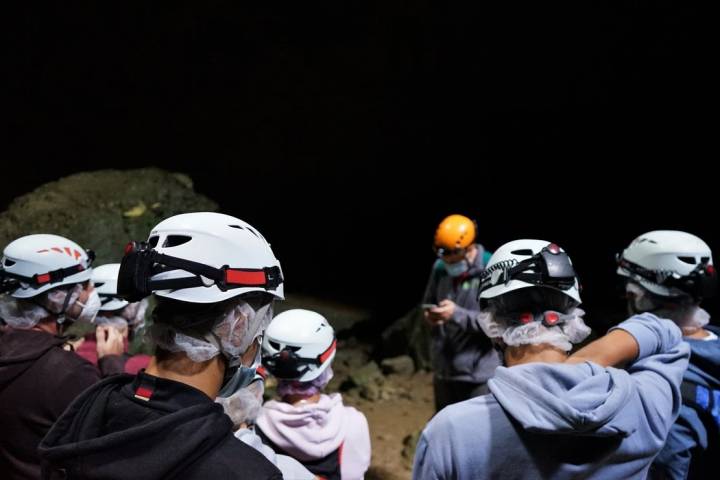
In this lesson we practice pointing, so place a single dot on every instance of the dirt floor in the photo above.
(395, 424)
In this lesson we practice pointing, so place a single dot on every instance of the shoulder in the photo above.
(714, 329)
(461, 437)
(68, 364)
(438, 267)
(355, 420)
(467, 417)
(486, 257)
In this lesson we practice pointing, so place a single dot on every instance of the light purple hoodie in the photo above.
(311, 431)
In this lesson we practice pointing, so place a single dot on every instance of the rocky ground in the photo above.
(396, 419)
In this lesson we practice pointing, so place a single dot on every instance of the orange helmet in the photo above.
(454, 232)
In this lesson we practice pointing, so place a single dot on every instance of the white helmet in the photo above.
(202, 257)
(530, 263)
(41, 262)
(669, 263)
(298, 345)
(105, 279)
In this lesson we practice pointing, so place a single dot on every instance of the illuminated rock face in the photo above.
(102, 210)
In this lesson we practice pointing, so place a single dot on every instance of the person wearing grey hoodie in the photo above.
(549, 415)
(462, 356)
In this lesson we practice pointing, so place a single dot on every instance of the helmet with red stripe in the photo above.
(37, 263)
(201, 257)
(298, 345)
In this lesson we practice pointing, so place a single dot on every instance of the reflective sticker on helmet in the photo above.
(326, 354)
(240, 277)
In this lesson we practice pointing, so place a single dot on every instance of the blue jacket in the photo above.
(693, 430)
(556, 420)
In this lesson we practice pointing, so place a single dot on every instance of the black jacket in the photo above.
(38, 380)
(144, 427)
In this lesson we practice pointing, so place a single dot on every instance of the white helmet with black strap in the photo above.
(202, 257)
(529, 294)
(298, 345)
(34, 264)
(523, 264)
(105, 278)
(44, 276)
(196, 262)
(671, 264)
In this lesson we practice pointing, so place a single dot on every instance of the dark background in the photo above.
(346, 130)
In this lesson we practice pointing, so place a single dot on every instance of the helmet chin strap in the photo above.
(59, 316)
(500, 347)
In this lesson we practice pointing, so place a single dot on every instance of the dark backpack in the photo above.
(706, 402)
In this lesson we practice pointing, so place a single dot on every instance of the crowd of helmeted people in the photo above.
(520, 390)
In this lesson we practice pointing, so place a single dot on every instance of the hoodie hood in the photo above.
(580, 399)
(20, 349)
(177, 423)
(307, 431)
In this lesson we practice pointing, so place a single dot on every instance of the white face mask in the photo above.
(90, 308)
(456, 269)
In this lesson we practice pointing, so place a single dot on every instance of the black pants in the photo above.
(448, 392)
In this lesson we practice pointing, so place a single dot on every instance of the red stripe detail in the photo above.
(340, 450)
(44, 278)
(262, 372)
(56, 249)
(240, 277)
(44, 250)
(77, 254)
(68, 251)
(143, 392)
(326, 354)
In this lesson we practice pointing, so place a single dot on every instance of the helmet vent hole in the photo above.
(153, 241)
(524, 252)
(9, 263)
(176, 240)
(253, 232)
(704, 259)
(98, 284)
(239, 227)
(274, 345)
(690, 260)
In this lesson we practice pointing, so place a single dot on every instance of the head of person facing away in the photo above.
(530, 296)
(298, 349)
(669, 273)
(128, 318)
(47, 279)
(454, 244)
(215, 279)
